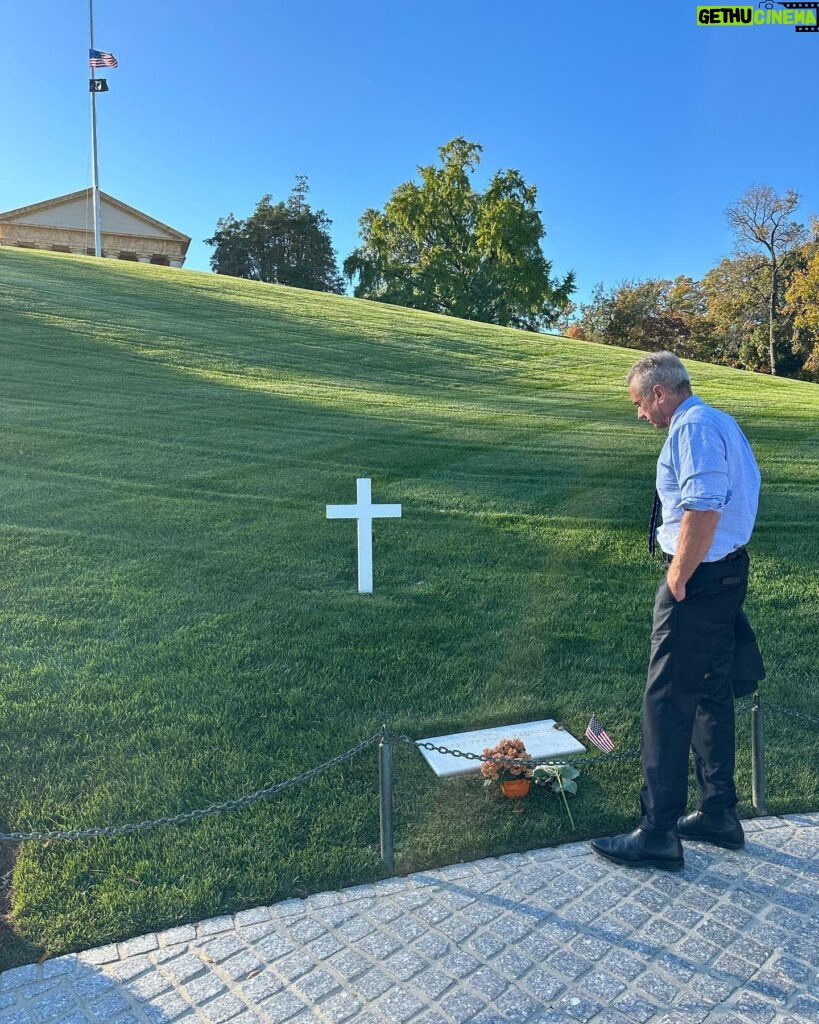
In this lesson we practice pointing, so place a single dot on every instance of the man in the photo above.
(708, 486)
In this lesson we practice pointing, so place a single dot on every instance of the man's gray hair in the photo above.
(659, 368)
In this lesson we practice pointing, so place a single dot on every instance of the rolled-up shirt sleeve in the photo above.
(702, 477)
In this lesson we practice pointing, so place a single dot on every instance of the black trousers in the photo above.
(689, 699)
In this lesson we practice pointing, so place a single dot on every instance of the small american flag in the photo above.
(98, 59)
(597, 735)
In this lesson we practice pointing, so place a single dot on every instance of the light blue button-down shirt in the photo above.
(707, 464)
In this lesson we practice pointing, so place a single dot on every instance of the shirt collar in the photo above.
(683, 407)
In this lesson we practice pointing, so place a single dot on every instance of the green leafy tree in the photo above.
(280, 243)
(443, 247)
(737, 300)
(232, 255)
(655, 315)
(763, 228)
(802, 305)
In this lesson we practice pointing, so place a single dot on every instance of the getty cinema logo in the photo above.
(803, 16)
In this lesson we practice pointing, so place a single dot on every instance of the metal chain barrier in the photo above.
(385, 737)
(622, 756)
(770, 706)
(178, 819)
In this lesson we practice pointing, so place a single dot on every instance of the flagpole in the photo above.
(95, 179)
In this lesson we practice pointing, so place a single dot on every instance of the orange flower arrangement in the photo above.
(495, 772)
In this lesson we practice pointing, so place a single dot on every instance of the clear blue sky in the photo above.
(637, 126)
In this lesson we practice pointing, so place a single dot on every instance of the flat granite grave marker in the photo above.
(543, 740)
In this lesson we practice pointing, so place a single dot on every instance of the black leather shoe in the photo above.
(720, 829)
(641, 849)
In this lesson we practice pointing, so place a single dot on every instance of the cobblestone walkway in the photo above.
(554, 936)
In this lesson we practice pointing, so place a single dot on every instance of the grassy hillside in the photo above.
(179, 623)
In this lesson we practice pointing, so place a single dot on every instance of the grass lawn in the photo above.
(180, 625)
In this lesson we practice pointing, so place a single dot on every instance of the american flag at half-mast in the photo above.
(100, 59)
(597, 735)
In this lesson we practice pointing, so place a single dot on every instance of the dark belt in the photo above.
(727, 558)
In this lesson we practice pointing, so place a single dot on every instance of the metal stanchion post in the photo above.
(385, 788)
(758, 756)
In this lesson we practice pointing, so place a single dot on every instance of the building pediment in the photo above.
(60, 221)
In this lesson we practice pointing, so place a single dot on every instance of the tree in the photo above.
(737, 301)
(442, 247)
(762, 224)
(654, 315)
(802, 304)
(282, 243)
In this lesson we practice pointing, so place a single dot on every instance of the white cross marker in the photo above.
(364, 511)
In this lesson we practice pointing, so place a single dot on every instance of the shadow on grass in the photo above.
(14, 950)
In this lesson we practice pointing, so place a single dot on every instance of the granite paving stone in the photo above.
(713, 989)
(553, 936)
(223, 1009)
(433, 983)
(169, 1007)
(605, 986)
(457, 930)
(132, 967)
(36, 989)
(517, 1006)
(462, 1006)
(590, 947)
(325, 946)
(282, 1006)
(570, 964)
(579, 1008)
(111, 1004)
(216, 950)
(18, 1017)
(755, 1009)
(148, 985)
(734, 966)
(77, 1017)
(52, 1006)
(609, 1016)
(486, 945)
(262, 986)
(203, 989)
(807, 1006)
(371, 985)
(316, 985)
(636, 1007)
(407, 929)
(386, 913)
(242, 966)
(543, 985)
(184, 968)
(349, 964)
(214, 926)
(432, 945)
(488, 983)
(176, 936)
(294, 966)
(512, 965)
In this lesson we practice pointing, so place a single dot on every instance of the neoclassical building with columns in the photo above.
(66, 224)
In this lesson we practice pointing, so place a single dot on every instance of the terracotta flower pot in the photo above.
(515, 788)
